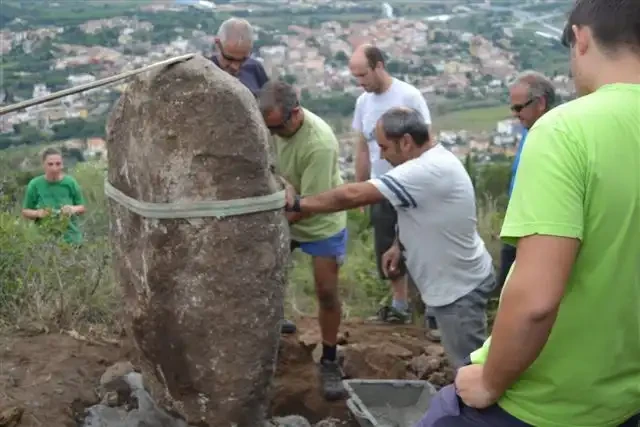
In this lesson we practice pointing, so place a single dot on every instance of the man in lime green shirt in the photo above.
(307, 157)
(55, 194)
(565, 348)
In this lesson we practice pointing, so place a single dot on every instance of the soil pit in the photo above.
(49, 379)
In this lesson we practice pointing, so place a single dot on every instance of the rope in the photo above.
(87, 86)
(179, 210)
(183, 210)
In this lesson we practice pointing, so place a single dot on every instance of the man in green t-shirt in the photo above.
(565, 347)
(307, 154)
(55, 194)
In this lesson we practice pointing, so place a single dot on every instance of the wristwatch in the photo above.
(296, 204)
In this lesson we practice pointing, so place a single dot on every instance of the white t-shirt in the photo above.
(436, 206)
(370, 106)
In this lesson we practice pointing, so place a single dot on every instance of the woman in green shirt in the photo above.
(55, 193)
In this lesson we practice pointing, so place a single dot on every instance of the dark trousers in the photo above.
(507, 257)
(447, 410)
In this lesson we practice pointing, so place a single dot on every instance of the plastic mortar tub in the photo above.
(388, 403)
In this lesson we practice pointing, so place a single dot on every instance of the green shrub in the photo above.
(47, 281)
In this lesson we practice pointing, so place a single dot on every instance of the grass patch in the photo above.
(45, 283)
(476, 119)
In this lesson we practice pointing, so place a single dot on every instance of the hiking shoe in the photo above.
(331, 380)
(288, 327)
(388, 314)
(433, 335)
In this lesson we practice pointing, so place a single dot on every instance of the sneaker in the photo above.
(388, 314)
(288, 327)
(331, 380)
(433, 335)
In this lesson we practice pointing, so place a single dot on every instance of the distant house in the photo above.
(508, 127)
(77, 144)
(96, 147)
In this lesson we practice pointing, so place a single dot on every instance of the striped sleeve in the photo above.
(398, 187)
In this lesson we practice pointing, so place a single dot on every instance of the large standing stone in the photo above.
(203, 297)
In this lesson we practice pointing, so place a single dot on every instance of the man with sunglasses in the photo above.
(234, 43)
(307, 153)
(532, 95)
(565, 345)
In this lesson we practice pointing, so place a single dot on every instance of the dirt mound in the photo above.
(369, 352)
(54, 377)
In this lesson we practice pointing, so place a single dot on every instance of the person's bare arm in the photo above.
(528, 307)
(346, 196)
(362, 159)
(545, 221)
(33, 213)
(73, 209)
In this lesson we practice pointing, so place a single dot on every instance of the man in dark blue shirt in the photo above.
(233, 54)
(532, 95)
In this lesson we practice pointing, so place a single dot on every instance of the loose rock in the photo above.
(11, 417)
(424, 365)
(289, 421)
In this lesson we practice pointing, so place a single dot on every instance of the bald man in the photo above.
(234, 43)
(382, 92)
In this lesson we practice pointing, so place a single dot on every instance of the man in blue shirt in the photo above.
(532, 95)
(516, 160)
(234, 43)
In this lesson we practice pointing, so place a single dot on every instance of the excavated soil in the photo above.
(49, 379)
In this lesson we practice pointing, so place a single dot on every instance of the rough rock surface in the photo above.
(203, 297)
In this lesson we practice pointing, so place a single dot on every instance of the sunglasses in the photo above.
(230, 58)
(516, 108)
(282, 125)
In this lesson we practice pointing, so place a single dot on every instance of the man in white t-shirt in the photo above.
(382, 92)
(435, 200)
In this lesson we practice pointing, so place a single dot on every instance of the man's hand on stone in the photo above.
(290, 193)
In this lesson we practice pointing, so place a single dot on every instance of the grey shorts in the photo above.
(385, 220)
(463, 323)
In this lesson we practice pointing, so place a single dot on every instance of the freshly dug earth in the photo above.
(49, 379)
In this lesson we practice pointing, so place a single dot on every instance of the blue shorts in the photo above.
(332, 247)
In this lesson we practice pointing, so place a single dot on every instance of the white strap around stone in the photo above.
(185, 210)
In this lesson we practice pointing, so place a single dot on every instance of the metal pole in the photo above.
(92, 85)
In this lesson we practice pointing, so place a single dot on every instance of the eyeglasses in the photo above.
(516, 108)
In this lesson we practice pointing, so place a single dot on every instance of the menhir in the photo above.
(203, 297)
